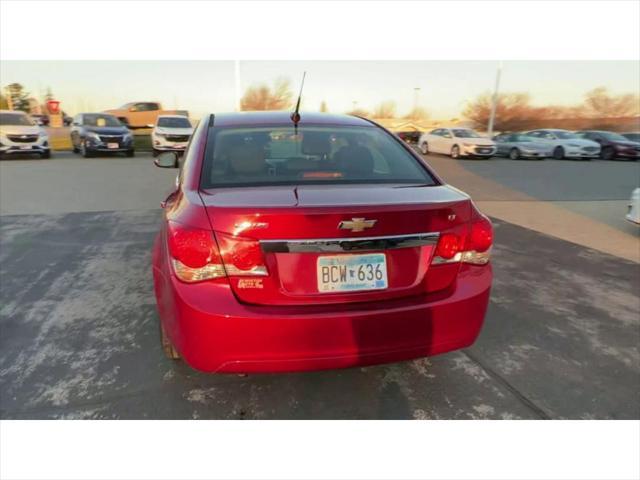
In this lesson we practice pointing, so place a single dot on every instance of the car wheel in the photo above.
(455, 151)
(167, 347)
(46, 154)
(558, 153)
(607, 153)
(131, 153)
(514, 154)
(424, 148)
(86, 152)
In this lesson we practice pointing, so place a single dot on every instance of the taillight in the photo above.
(478, 249)
(449, 244)
(474, 249)
(241, 256)
(194, 254)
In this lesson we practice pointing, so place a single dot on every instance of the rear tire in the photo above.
(167, 347)
(514, 154)
(607, 153)
(424, 148)
(455, 151)
(558, 153)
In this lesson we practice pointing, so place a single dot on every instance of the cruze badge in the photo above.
(356, 224)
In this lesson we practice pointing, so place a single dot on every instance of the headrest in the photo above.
(355, 160)
(247, 159)
(316, 143)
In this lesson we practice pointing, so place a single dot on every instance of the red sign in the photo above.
(53, 106)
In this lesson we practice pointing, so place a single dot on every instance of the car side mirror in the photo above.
(166, 160)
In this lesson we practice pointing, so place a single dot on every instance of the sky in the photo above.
(209, 86)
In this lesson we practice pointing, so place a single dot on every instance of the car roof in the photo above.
(284, 118)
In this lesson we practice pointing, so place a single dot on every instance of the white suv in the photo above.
(19, 134)
(171, 133)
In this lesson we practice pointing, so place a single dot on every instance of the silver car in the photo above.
(519, 145)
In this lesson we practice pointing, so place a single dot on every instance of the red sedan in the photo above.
(321, 243)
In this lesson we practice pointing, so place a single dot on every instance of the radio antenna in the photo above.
(295, 116)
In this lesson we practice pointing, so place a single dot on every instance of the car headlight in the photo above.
(93, 135)
(574, 145)
(127, 136)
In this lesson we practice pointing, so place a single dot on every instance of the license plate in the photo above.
(352, 273)
(25, 148)
(112, 145)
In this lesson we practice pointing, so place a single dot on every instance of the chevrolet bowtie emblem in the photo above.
(356, 224)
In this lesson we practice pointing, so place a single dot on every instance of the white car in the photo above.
(567, 144)
(457, 142)
(19, 135)
(171, 133)
(633, 211)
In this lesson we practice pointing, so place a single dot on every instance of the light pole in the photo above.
(494, 103)
(416, 93)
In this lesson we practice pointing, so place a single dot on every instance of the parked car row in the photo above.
(534, 144)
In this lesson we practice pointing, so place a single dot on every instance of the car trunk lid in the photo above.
(299, 226)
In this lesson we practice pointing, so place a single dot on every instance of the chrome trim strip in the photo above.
(330, 245)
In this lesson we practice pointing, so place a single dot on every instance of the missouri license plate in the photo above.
(352, 273)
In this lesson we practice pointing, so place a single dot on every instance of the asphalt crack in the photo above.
(538, 411)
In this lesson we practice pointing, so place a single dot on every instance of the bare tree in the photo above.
(417, 113)
(386, 109)
(600, 103)
(323, 107)
(261, 97)
(511, 110)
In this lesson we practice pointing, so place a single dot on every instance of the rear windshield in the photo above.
(100, 120)
(174, 122)
(465, 133)
(15, 119)
(314, 154)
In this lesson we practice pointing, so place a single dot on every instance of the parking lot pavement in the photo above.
(581, 202)
(79, 335)
(70, 183)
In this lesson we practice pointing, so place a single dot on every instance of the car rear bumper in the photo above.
(215, 333)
